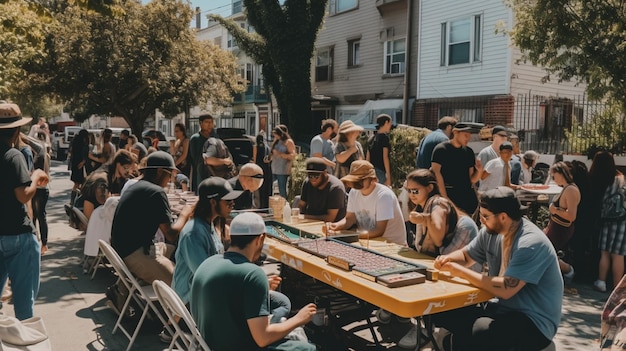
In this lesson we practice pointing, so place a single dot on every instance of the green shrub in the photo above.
(404, 142)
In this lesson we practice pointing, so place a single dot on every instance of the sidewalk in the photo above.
(73, 306)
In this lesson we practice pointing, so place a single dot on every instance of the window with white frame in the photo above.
(324, 64)
(337, 6)
(354, 52)
(461, 41)
(395, 51)
(231, 43)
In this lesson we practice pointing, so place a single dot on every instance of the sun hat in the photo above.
(27, 335)
(217, 188)
(247, 223)
(315, 165)
(462, 127)
(501, 199)
(251, 170)
(349, 126)
(359, 170)
(11, 116)
(500, 130)
(160, 159)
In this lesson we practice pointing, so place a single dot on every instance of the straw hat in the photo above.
(11, 116)
(349, 126)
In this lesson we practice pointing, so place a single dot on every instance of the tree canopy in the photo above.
(576, 39)
(132, 63)
(283, 43)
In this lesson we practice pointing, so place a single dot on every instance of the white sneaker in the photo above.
(409, 340)
(599, 285)
(569, 276)
(384, 317)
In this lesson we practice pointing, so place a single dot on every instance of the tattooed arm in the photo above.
(502, 287)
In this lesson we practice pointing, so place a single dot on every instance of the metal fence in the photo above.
(574, 125)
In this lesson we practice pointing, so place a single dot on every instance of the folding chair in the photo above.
(144, 296)
(82, 218)
(174, 307)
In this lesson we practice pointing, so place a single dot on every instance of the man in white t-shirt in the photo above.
(373, 207)
(497, 172)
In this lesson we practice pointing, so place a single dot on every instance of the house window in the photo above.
(460, 41)
(324, 65)
(231, 43)
(354, 51)
(337, 6)
(394, 56)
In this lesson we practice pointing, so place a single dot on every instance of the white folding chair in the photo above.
(174, 307)
(82, 218)
(144, 296)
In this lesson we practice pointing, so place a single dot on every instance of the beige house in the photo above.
(364, 60)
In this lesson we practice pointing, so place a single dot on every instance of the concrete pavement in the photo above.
(73, 306)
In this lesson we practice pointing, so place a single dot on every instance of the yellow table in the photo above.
(447, 293)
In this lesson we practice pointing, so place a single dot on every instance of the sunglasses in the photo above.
(314, 175)
(412, 191)
(485, 217)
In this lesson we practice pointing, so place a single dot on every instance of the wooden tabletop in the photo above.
(409, 301)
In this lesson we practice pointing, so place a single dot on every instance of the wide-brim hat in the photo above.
(349, 126)
(359, 170)
(217, 188)
(11, 116)
(160, 159)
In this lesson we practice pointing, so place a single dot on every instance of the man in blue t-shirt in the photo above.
(428, 143)
(523, 274)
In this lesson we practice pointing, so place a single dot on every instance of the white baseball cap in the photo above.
(247, 223)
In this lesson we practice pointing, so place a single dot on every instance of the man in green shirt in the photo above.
(230, 296)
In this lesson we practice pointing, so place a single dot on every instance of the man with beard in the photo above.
(230, 296)
(322, 145)
(372, 207)
(523, 274)
(323, 195)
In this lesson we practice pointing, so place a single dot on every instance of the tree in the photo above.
(21, 39)
(283, 43)
(575, 39)
(128, 65)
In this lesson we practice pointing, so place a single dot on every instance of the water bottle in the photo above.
(287, 213)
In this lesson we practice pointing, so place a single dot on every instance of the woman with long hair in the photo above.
(179, 149)
(205, 233)
(283, 153)
(122, 168)
(439, 226)
(262, 157)
(79, 157)
(347, 149)
(563, 210)
(606, 182)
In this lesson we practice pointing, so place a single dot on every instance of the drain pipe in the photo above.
(407, 63)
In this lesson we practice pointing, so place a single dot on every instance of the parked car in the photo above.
(239, 144)
(148, 135)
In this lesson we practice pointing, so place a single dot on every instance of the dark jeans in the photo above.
(490, 328)
(39, 212)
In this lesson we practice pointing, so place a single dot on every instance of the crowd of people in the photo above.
(461, 209)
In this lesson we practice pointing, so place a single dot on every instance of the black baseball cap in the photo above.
(501, 199)
(217, 188)
(315, 164)
(500, 130)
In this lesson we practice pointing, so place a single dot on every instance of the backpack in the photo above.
(614, 202)
(224, 171)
